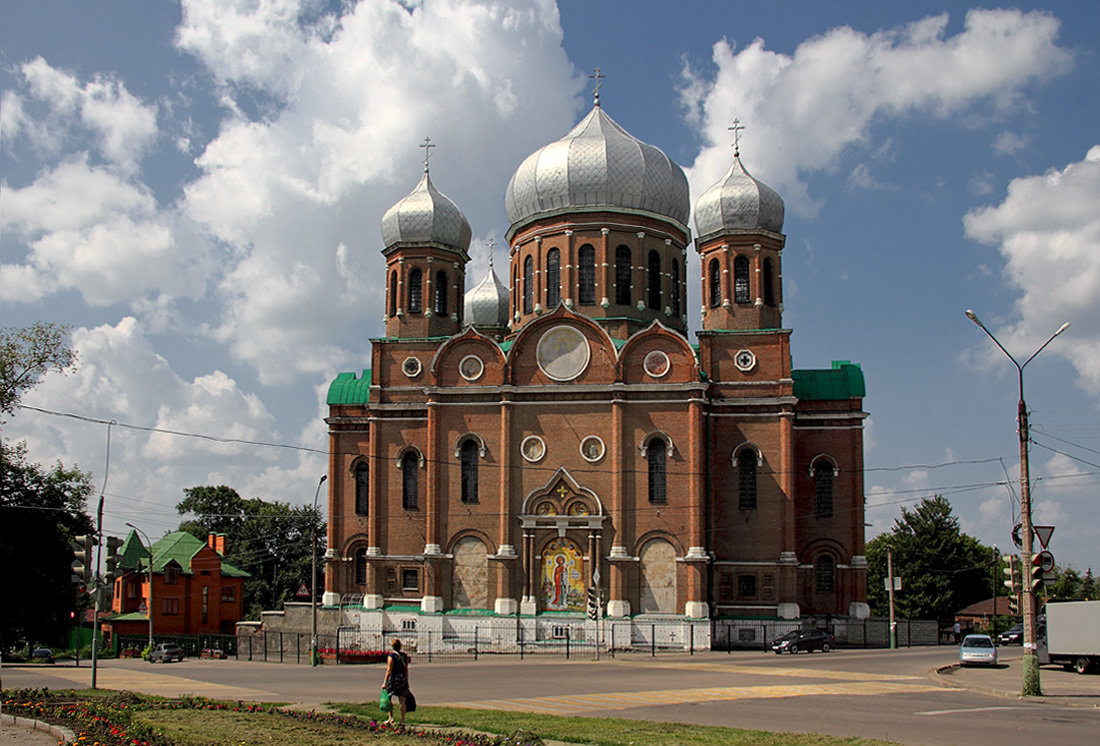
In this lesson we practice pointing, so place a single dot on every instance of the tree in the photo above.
(26, 355)
(272, 541)
(1067, 584)
(1090, 589)
(942, 569)
(41, 510)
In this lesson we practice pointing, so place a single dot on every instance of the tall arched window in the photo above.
(823, 488)
(393, 293)
(653, 281)
(714, 282)
(528, 285)
(769, 282)
(415, 291)
(469, 454)
(746, 479)
(825, 574)
(586, 286)
(553, 279)
(361, 566)
(622, 276)
(674, 290)
(741, 280)
(410, 481)
(362, 488)
(657, 456)
(440, 293)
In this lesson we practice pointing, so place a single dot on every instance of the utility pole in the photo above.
(890, 591)
(313, 583)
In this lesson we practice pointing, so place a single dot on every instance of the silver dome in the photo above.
(426, 215)
(487, 304)
(738, 201)
(598, 165)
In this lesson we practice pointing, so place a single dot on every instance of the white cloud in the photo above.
(1010, 143)
(805, 109)
(1047, 228)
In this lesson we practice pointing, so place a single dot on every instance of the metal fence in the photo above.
(193, 645)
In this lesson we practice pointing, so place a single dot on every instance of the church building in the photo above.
(515, 445)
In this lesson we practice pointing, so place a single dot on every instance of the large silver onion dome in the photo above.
(426, 215)
(740, 202)
(597, 165)
(487, 304)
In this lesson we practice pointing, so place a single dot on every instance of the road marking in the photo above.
(969, 709)
(159, 684)
(808, 673)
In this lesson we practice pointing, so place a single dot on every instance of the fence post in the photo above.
(653, 641)
(692, 636)
(281, 647)
(567, 631)
(475, 643)
(429, 646)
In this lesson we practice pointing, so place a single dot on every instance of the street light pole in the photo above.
(1031, 683)
(150, 610)
(313, 582)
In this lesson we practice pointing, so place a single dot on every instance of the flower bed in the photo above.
(349, 655)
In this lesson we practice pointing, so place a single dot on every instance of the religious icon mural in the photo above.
(562, 576)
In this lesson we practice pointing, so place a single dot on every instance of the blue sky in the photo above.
(197, 187)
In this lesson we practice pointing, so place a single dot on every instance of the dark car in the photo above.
(166, 651)
(806, 639)
(1014, 635)
(42, 655)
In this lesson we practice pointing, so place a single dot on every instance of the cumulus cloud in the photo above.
(1047, 229)
(805, 109)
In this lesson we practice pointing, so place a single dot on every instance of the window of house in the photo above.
(553, 279)
(622, 276)
(746, 479)
(131, 590)
(440, 293)
(170, 606)
(171, 575)
(586, 289)
(362, 488)
(653, 281)
(714, 283)
(824, 574)
(528, 285)
(823, 488)
(410, 481)
(746, 586)
(229, 594)
(416, 304)
(393, 293)
(674, 289)
(469, 454)
(410, 579)
(769, 283)
(205, 604)
(741, 280)
(657, 456)
(361, 566)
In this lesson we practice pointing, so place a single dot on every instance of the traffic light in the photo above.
(593, 602)
(83, 571)
(1014, 605)
(113, 558)
(1012, 573)
(1035, 572)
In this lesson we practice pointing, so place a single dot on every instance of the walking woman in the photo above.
(397, 680)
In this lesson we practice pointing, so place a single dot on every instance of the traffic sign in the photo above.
(1042, 533)
(1046, 560)
(303, 591)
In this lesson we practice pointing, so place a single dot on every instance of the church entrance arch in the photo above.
(562, 587)
(471, 574)
(657, 571)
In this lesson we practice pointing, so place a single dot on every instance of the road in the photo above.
(896, 695)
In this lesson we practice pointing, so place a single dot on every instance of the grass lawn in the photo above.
(201, 728)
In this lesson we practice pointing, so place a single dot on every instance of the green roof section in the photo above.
(180, 547)
(349, 389)
(843, 381)
(132, 555)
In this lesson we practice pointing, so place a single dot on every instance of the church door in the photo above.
(657, 568)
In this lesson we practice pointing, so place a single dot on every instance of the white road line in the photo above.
(968, 709)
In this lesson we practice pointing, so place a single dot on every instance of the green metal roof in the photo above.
(843, 381)
(132, 554)
(180, 547)
(349, 389)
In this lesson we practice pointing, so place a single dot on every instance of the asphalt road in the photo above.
(897, 695)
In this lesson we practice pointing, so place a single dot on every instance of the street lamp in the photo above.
(1031, 685)
(313, 583)
(150, 545)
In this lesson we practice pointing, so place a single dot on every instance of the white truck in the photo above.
(1073, 635)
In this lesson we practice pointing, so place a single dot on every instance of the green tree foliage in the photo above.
(26, 355)
(1071, 584)
(269, 540)
(41, 510)
(942, 569)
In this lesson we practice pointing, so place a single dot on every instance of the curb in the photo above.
(63, 735)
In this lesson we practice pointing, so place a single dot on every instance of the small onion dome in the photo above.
(487, 304)
(738, 202)
(426, 215)
(598, 165)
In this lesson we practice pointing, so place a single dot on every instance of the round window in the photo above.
(656, 364)
(411, 367)
(533, 448)
(592, 449)
(471, 367)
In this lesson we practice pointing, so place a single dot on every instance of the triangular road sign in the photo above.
(303, 591)
(1042, 533)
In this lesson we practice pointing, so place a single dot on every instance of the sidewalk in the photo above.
(1006, 680)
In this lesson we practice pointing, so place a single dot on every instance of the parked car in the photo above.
(42, 655)
(977, 650)
(166, 651)
(806, 639)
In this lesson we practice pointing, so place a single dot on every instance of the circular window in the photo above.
(471, 367)
(411, 367)
(533, 448)
(592, 449)
(745, 360)
(656, 364)
(562, 353)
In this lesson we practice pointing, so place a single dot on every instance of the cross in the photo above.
(736, 130)
(427, 145)
(596, 76)
(492, 242)
(562, 491)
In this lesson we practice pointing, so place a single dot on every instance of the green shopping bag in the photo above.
(384, 701)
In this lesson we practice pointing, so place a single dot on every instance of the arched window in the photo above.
(362, 488)
(746, 479)
(393, 293)
(528, 285)
(622, 276)
(469, 454)
(513, 292)
(769, 283)
(440, 293)
(657, 455)
(415, 291)
(553, 279)
(741, 280)
(714, 281)
(361, 566)
(410, 481)
(653, 281)
(823, 488)
(825, 574)
(586, 288)
(674, 290)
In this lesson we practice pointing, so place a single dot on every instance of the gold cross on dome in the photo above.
(427, 145)
(562, 491)
(736, 130)
(597, 76)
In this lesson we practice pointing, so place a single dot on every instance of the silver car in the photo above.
(977, 650)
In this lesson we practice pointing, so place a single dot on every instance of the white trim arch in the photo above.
(420, 460)
(828, 459)
(482, 451)
(750, 445)
(643, 447)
